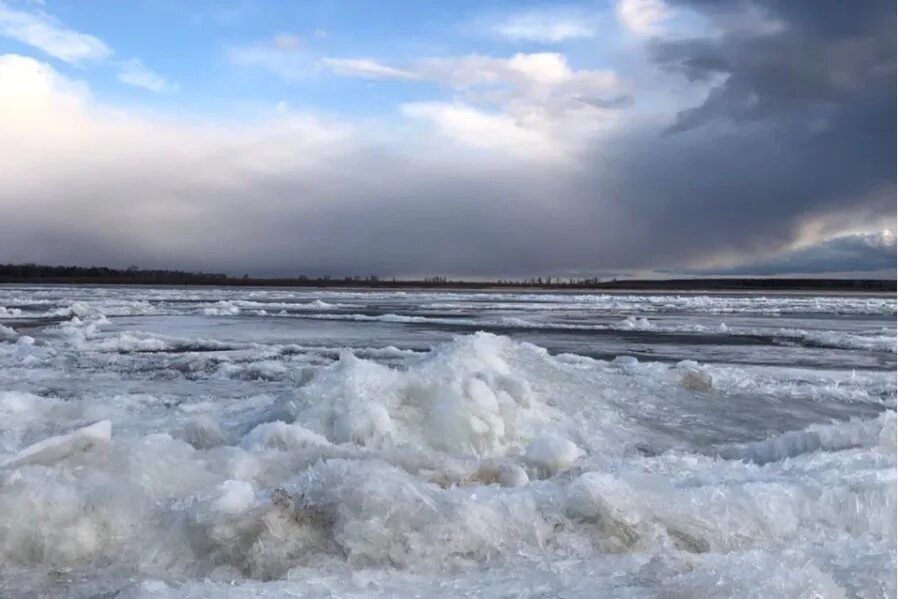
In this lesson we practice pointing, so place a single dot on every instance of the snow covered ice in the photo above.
(205, 442)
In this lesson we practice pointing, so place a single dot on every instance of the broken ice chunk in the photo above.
(53, 449)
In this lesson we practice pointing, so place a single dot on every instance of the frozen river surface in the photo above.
(206, 442)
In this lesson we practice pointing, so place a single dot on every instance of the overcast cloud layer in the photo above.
(733, 137)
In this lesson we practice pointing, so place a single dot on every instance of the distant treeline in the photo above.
(36, 273)
(39, 273)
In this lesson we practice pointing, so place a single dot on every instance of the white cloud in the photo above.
(644, 18)
(545, 71)
(496, 132)
(286, 41)
(533, 104)
(43, 31)
(135, 170)
(288, 62)
(365, 68)
(58, 116)
(48, 34)
(133, 72)
(547, 26)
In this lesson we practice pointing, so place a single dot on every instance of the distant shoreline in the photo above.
(70, 275)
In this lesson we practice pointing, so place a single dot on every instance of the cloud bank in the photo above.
(531, 165)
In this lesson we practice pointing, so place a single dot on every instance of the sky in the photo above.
(457, 138)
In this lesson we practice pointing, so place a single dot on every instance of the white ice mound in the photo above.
(637, 324)
(362, 422)
(235, 496)
(202, 432)
(17, 402)
(877, 432)
(693, 377)
(511, 475)
(222, 308)
(462, 398)
(489, 472)
(466, 417)
(53, 449)
(262, 370)
(283, 436)
(696, 380)
(10, 312)
(609, 503)
(381, 514)
(242, 533)
(77, 308)
(551, 454)
(7, 334)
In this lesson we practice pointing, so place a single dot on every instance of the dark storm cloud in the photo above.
(815, 60)
(684, 198)
(798, 127)
(622, 101)
(850, 253)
